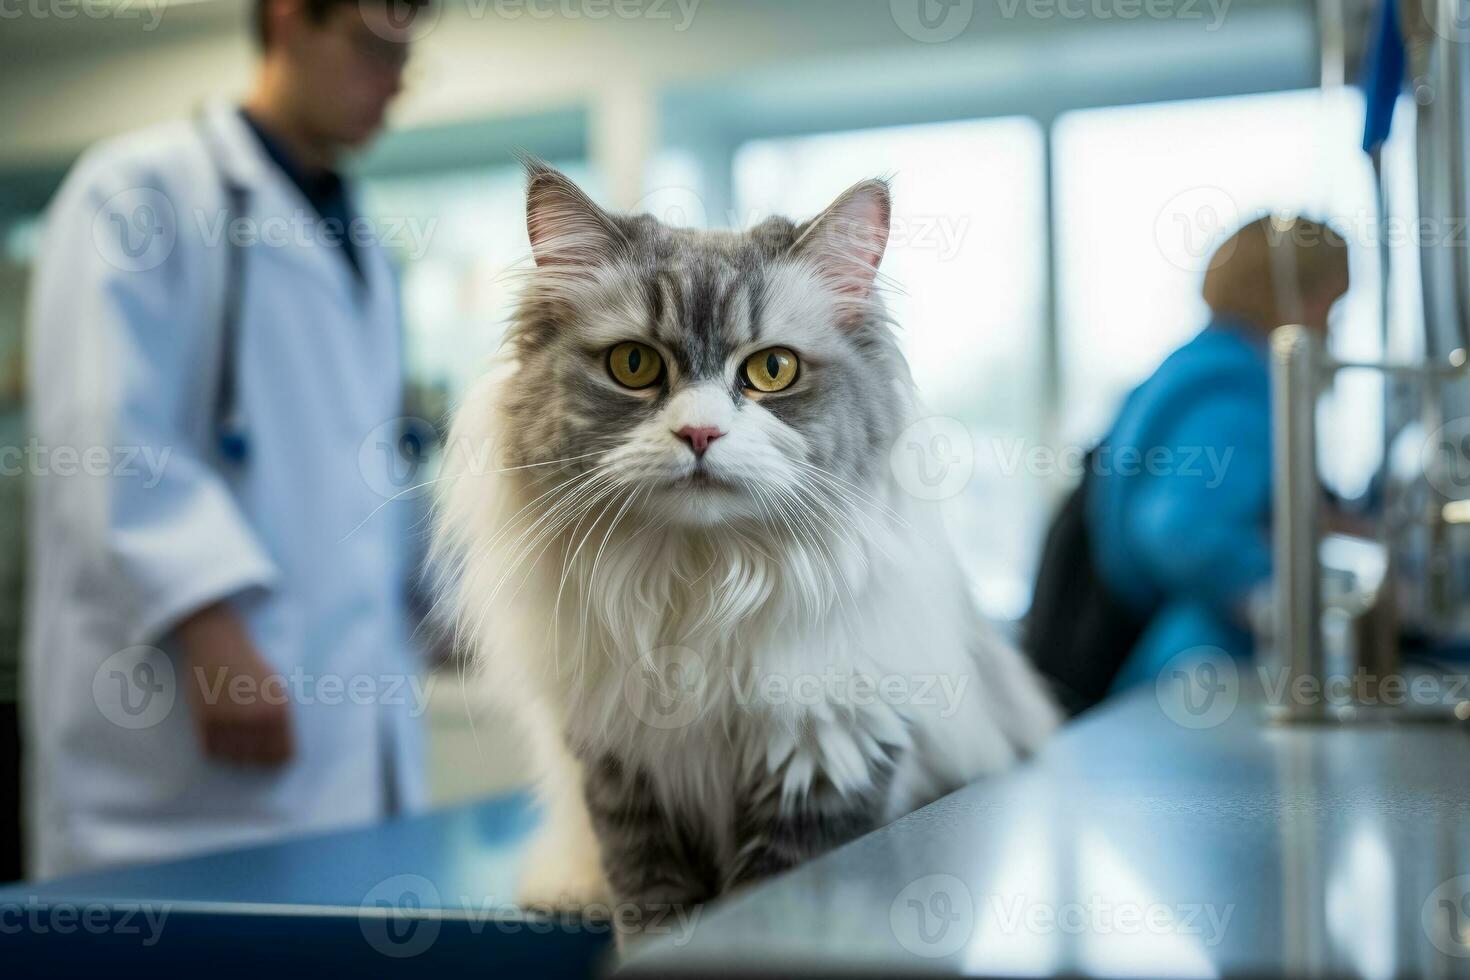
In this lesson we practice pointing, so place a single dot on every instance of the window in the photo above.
(458, 238)
(967, 257)
(1144, 194)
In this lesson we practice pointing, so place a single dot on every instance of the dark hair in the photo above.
(316, 11)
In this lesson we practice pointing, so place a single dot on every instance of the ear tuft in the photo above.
(565, 226)
(847, 240)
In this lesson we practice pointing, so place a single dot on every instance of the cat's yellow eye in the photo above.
(634, 365)
(771, 369)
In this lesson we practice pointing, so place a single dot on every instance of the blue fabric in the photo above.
(1180, 501)
(1383, 75)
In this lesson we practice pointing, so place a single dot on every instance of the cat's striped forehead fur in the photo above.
(705, 300)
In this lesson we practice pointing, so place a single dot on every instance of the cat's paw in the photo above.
(559, 876)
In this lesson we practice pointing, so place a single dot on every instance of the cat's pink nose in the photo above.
(699, 437)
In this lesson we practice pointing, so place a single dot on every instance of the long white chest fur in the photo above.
(799, 650)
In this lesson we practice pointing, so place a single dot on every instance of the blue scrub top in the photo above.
(1179, 507)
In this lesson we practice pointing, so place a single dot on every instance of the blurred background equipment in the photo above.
(1357, 608)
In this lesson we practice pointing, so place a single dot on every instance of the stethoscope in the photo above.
(231, 430)
(231, 425)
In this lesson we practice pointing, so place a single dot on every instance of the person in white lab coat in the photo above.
(217, 649)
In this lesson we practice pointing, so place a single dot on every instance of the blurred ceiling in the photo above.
(73, 26)
(41, 28)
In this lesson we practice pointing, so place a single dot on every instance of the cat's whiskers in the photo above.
(592, 575)
(567, 563)
(510, 522)
(374, 512)
(769, 500)
(797, 538)
(528, 537)
(735, 528)
(846, 505)
(570, 511)
(872, 532)
(833, 567)
(550, 462)
(554, 518)
(848, 488)
(830, 516)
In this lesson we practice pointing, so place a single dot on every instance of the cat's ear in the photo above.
(566, 227)
(847, 240)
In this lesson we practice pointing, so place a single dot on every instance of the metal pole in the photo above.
(1296, 365)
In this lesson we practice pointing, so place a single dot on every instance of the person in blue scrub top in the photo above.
(1179, 508)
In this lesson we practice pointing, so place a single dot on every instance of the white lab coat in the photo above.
(125, 355)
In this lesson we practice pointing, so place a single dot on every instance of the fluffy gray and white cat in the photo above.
(683, 559)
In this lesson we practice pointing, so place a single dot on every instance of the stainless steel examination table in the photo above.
(1165, 834)
(1162, 834)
